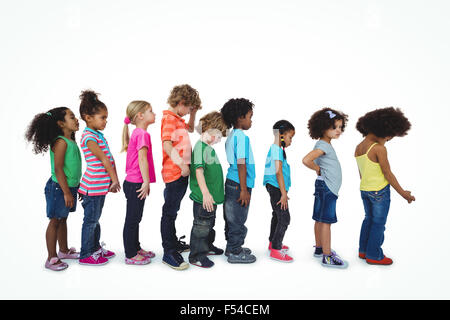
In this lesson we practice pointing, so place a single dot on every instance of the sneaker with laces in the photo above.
(105, 253)
(175, 261)
(136, 261)
(241, 257)
(94, 260)
(334, 261)
(318, 252)
(280, 255)
(203, 262)
(213, 250)
(182, 246)
(246, 250)
(147, 254)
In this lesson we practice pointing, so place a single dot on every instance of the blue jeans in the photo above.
(90, 231)
(376, 206)
(135, 209)
(173, 194)
(235, 217)
(202, 233)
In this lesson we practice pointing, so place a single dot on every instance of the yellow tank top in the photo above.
(372, 178)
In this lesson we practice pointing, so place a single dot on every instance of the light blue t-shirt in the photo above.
(330, 168)
(276, 153)
(237, 147)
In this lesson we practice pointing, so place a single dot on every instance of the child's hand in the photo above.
(144, 190)
(244, 198)
(284, 201)
(408, 197)
(318, 170)
(208, 202)
(114, 187)
(185, 171)
(68, 200)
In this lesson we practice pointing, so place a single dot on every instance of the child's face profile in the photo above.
(98, 120)
(334, 133)
(149, 116)
(246, 121)
(70, 121)
(183, 110)
(287, 136)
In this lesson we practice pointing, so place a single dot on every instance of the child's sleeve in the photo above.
(322, 146)
(168, 128)
(197, 160)
(241, 150)
(143, 140)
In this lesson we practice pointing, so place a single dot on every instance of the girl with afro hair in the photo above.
(325, 125)
(377, 127)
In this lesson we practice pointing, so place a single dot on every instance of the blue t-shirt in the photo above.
(276, 153)
(237, 147)
(330, 168)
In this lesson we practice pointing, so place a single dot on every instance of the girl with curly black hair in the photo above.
(55, 131)
(325, 125)
(377, 127)
(277, 180)
(237, 113)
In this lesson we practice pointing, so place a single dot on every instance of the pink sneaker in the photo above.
(94, 260)
(280, 255)
(283, 247)
(135, 261)
(105, 253)
(54, 265)
(72, 254)
(147, 254)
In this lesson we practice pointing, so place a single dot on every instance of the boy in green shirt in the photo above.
(207, 189)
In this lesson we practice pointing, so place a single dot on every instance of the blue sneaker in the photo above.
(203, 262)
(334, 261)
(175, 261)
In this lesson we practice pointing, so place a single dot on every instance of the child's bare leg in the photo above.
(62, 236)
(325, 237)
(51, 236)
(317, 234)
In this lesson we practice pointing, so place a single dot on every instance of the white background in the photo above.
(290, 58)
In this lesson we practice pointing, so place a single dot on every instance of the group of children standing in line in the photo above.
(200, 169)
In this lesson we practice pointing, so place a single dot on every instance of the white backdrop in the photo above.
(290, 58)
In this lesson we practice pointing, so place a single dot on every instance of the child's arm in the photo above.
(97, 152)
(308, 160)
(279, 173)
(59, 149)
(144, 190)
(208, 201)
(175, 157)
(381, 154)
(191, 122)
(244, 197)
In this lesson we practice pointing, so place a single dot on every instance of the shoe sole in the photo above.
(183, 267)
(137, 263)
(197, 265)
(335, 266)
(284, 261)
(240, 261)
(93, 265)
(379, 264)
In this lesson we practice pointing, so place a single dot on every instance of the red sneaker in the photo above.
(280, 255)
(282, 247)
(384, 262)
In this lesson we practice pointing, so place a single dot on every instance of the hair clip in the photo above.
(332, 115)
(49, 114)
(127, 120)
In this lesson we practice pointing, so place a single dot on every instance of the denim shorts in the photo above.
(56, 206)
(324, 203)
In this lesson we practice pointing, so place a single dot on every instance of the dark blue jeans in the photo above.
(135, 209)
(280, 218)
(376, 206)
(173, 194)
(90, 231)
(202, 233)
(235, 217)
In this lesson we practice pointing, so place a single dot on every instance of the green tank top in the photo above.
(72, 163)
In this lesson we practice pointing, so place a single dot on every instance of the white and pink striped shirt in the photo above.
(95, 180)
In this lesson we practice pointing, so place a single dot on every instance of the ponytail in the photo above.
(282, 126)
(133, 108)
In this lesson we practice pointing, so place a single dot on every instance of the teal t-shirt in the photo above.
(270, 177)
(237, 147)
(204, 156)
(72, 163)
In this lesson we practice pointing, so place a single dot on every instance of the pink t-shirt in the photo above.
(139, 139)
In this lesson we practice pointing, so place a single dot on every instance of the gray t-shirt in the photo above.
(330, 168)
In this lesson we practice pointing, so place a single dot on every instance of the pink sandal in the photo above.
(72, 254)
(54, 265)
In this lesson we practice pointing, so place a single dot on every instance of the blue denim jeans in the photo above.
(202, 233)
(90, 231)
(173, 194)
(235, 217)
(376, 206)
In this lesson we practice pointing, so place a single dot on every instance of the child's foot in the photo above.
(147, 254)
(246, 250)
(175, 261)
(203, 262)
(138, 260)
(55, 264)
(182, 246)
(280, 255)
(333, 260)
(213, 250)
(241, 257)
(70, 254)
(383, 262)
(318, 253)
(94, 260)
(282, 247)
(105, 253)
